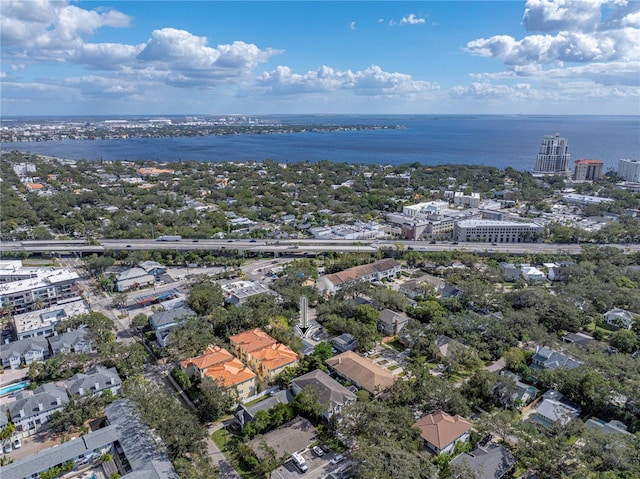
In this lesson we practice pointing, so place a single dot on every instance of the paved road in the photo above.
(291, 247)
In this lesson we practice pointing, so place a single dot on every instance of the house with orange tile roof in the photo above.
(441, 431)
(233, 374)
(271, 360)
(211, 356)
(362, 372)
(34, 186)
(332, 283)
(245, 343)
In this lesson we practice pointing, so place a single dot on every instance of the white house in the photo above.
(75, 341)
(24, 351)
(30, 412)
(95, 382)
(531, 273)
(385, 268)
(620, 318)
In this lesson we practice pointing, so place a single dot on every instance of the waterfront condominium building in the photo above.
(586, 170)
(553, 157)
(629, 170)
(489, 231)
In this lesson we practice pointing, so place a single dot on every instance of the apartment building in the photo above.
(37, 288)
(587, 170)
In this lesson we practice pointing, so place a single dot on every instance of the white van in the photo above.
(298, 460)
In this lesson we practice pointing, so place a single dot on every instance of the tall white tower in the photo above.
(629, 170)
(553, 157)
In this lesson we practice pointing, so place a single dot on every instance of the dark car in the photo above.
(195, 241)
(252, 241)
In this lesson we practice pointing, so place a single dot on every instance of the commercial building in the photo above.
(489, 231)
(553, 157)
(43, 322)
(629, 170)
(239, 292)
(134, 278)
(587, 170)
(37, 288)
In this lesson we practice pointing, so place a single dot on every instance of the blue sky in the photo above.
(215, 57)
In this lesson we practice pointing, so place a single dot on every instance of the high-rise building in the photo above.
(553, 157)
(629, 170)
(587, 170)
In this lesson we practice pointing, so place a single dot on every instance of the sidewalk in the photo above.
(227, 471)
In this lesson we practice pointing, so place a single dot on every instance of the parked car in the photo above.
(16, 443)
(8, 447)
(338, 459)
(318, 451)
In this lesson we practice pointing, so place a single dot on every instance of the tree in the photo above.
(7, 431)
(307, 404)
(140, 321)
(625, 340)
(204, 297)
(323, 351)
(213, 400)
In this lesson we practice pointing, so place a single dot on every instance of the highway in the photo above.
(291, 247)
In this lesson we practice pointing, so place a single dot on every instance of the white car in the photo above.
(338, 459)
(16, 443)
(318, 451)
(8, 447)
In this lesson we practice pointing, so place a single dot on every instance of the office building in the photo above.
(587, 170)
(553, 157)
(489, 231)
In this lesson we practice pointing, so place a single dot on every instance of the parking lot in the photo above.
(319, 467)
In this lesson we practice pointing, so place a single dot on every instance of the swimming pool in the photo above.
(11, 388)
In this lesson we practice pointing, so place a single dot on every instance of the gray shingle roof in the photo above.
(18, 348)
(489, 462)
(105, 378)
(138, 446)
(47, 395)
(70, 339)
(330, 392)
(165, 318)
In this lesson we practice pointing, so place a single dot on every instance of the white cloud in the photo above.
(43, 29)
(558, 15)
(371, 81)
(412, 19)
(352, 25)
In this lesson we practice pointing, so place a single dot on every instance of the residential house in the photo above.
(620, 318)
(331, 283)
(234, 375)
(164, 321)
(243, 344)
(331, 394)
(422, 287)
(441, 431)
(448, 346)
(95, 382)
(74, 341)
(362, 372)
(522, 395)
(211, 356)
(531, 273)
(547, 358)
(579, 339)
(487, 462)
(553, 409)
(31, 411)
(271, 360)
(558, 271)
(612, 427)
(392, 322)
(246, 414)
(24, 352)
(511, 272)
(345, 342)
(140, 453)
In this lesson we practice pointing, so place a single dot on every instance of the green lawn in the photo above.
(395, 344)
(221, 437)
